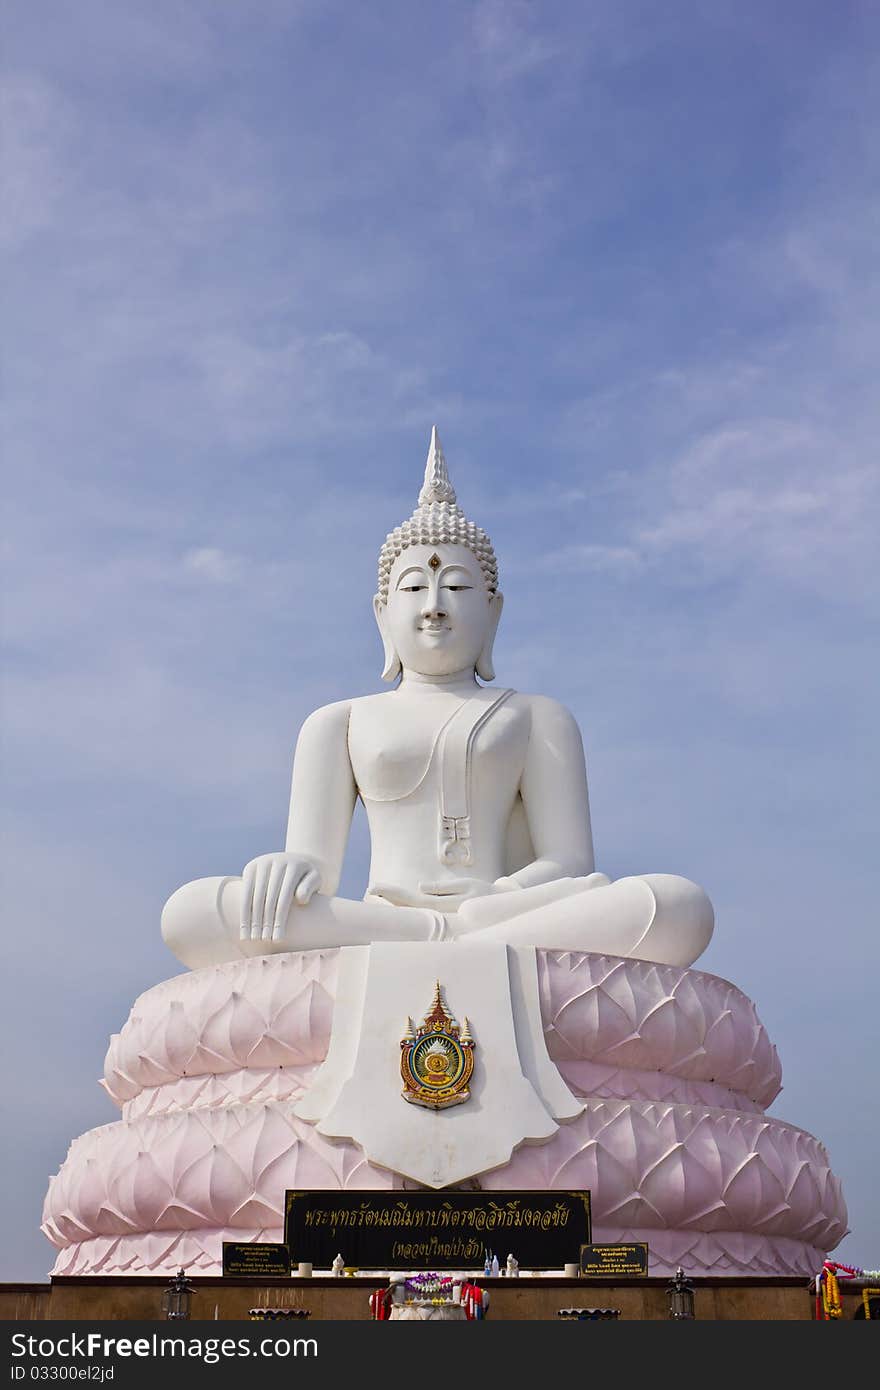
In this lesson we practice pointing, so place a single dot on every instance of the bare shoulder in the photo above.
(547, 713)
(364, 710)
(553, 728)
(377, 700)
(360, 711)
(327, 721)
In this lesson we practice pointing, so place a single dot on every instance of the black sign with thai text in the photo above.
(436, 1230)
(614, 1261)
(256, 1260)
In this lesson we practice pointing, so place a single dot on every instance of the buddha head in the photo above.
(438, 603)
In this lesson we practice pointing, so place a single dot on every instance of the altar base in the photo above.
(92, 1298)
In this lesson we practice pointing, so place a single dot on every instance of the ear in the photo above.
(392, 660)
(485, 669)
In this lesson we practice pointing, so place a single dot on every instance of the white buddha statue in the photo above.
(476, 798)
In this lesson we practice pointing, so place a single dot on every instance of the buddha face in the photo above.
(440, 618)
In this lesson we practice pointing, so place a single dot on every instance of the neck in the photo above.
(456, 682)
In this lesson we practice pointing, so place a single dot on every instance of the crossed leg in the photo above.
(657, 917)
(201, 924)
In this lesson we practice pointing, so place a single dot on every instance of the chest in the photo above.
(398, 746)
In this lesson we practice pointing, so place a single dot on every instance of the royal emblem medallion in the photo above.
(436, 1059)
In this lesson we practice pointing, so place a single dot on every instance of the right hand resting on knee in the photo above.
(271, 884)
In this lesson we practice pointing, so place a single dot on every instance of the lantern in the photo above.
(177, 1297)
(681, 1297)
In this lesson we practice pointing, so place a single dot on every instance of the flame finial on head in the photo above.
(437, 520)
(436, 487)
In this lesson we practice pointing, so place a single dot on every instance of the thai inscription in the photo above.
(447, 1230)
(256, 1260)
(619, 1261)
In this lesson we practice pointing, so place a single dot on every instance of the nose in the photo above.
(432, 606)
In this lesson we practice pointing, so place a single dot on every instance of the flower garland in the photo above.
(832, 1306)
(829, 1305)
(851, 1271)
(428, 1288)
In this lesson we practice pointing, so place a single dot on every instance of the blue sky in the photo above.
(624, 254)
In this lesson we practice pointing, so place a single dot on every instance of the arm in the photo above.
(322, 793)
(555, 797)
(322, 798)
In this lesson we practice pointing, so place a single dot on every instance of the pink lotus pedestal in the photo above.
(674, 1067)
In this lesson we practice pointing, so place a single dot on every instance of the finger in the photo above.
(398, 897)
(386, 893)
(284, 904)
(277, 875)
(261, 880)
(247, 899)
(308, 886)
(382, 890)
(448, 887)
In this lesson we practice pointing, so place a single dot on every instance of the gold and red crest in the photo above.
(437, 1058)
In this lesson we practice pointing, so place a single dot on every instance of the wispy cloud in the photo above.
(217, 566)
(772, 493)
(34, 178)
(509, 38)
(574, 559)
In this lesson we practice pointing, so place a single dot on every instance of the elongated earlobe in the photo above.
(485, 667)
(392, 660)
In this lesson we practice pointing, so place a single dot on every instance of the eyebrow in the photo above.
(422, 573)
(413, 569)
